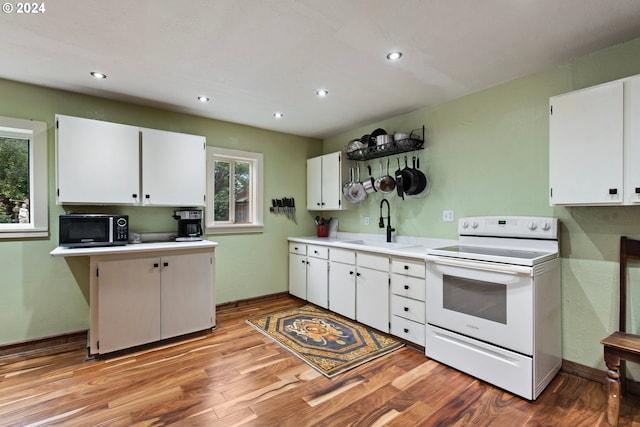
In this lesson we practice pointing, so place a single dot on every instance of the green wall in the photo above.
(41, 296)
(486, 154)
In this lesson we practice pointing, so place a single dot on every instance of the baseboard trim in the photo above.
(70, 340)
(251, 301)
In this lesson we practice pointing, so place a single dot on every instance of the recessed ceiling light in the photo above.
(278, 115)
(394, 56)
(322, 92)
(98, 75)
(204, 99)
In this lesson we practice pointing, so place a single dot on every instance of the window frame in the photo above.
(38, 225)
(257, 191)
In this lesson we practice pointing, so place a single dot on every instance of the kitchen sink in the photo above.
(381, 244)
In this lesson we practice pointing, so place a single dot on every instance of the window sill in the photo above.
(235, 229)
(23, 234)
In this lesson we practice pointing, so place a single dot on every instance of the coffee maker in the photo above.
(189, 225)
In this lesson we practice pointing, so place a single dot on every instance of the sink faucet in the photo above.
(381, 224)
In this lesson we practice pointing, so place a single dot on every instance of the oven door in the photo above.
(487, 301)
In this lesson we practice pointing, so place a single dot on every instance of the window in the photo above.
(23, 178)
(234, 191)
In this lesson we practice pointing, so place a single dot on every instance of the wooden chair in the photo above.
(621, 346)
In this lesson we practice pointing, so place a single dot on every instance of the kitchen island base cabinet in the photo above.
(140, 300)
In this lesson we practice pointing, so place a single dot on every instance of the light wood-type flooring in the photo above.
(236, 376)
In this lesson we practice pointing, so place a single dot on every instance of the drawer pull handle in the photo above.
(406, 286)
(406, 330)
(406, 309)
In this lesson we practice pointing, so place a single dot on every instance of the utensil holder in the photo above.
(323, 231)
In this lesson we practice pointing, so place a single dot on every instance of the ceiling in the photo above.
(257, 57)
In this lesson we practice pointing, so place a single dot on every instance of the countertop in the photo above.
(406, 246)
(132, 247)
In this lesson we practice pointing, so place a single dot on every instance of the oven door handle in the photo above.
(486, 266)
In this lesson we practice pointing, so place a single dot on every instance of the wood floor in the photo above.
(237, 376)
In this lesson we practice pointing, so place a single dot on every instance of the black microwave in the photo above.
(86, 230)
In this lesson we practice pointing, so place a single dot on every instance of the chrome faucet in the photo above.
(381, 224)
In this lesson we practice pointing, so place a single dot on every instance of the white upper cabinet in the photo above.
(113, 164)
(97, 162)
(594, 145)
(174, 169)
(324, 183)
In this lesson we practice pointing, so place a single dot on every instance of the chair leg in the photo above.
(613, 387)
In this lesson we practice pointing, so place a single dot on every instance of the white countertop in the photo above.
(133, 247)
(413, 247)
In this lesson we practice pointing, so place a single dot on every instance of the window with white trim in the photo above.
(234, 191)
(23, 179)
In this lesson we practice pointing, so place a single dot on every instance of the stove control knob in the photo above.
(465, 224)
(532, 226)
(546, 226)
(474, 224)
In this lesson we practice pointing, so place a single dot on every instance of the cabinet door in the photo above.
(332, 181)
(317, 281)
(372, 298)
(173, 168)
(314, 184)
(586, 146)
(342, 289)
(96, 162)
(128, 303)
(632, 140)
(298, 275)
(186, 294)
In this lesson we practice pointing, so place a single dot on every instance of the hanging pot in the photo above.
(357, 191)
(422, 182)
(346, 188)
(385, 183)
(409, 178)
(369, 183)
(399, 181)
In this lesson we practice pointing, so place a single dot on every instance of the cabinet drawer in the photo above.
(408, 308)
(408, 267)
(412, 287)
(318, 251)
(343, 256)
(374, 262)
(408, 330)
(297, 248)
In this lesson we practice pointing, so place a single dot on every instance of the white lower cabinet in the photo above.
(408, 307)
(145, 299)
(342, 282)
(372, 290)
(309, 273)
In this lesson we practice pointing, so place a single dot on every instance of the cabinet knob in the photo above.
(315, 252)
(156, 265)
(406, 286)
(358, 274)
(637, 190)
(406, 309)
(613, 191)
(147, 196)
(406, 267)
(351, 272)
(134, 195)
(165, 264)
(406, 330)
(304, 262)
(318, 204)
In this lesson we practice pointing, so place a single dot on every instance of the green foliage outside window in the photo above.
(14, 177)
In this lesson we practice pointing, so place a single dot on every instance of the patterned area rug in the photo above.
(326, 341)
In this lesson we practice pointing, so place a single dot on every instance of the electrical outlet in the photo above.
(447, 216)
(367, 220)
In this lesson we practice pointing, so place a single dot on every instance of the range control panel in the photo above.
(529, 227)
